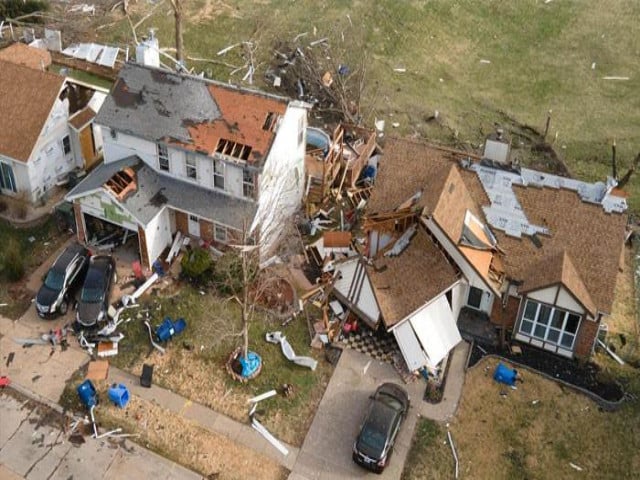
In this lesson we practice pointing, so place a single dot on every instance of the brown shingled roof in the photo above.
(243, 116)
(400, 287)
(26, 99)
(591, 238)
(82, 117)
(25, 55)
(558, 268)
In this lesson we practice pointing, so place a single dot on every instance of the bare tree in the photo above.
(177, 13)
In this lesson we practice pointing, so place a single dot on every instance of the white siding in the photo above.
(281, 183)
(544, 295)
(124, 146)
(410, 347)
(566, 301)
(458, 298)
(233, 180)
(158, 234)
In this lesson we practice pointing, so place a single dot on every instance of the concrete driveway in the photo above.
(326, 451)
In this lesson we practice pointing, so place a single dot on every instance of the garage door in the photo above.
(410, 346)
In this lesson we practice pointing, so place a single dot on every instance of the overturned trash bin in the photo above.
(169, 329)
(88, 394)
(119, 395)
(506, 375)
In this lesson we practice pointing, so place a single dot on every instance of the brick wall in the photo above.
(82, 236)
(586, 336)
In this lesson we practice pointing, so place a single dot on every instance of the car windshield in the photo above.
(91, 295)
(54, 280)
(93, 287)
(372, 440)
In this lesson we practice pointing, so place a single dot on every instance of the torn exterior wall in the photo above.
(102, 206)
(281, 183)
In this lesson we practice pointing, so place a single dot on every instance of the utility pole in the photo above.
(177, 13)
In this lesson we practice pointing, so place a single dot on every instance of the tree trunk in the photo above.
(177, 13)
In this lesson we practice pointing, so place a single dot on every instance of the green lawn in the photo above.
(541, 57)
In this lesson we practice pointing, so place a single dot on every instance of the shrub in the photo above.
(197, 264)
(13, 261)
(17, 8)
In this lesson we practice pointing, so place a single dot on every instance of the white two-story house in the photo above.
(186, 154)
(46, 124)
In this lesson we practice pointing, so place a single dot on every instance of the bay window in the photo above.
(550, 324)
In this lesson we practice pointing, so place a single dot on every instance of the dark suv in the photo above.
(66, 273)
(94, 297)
(387, 409)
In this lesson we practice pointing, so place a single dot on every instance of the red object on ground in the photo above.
(4, 381)
(137, 269)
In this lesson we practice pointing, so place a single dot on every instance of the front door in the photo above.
(194, 226)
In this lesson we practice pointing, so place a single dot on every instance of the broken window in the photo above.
(7, 179)
(271, 122)
(163, 157)
(66, 145)
(550, 324)
(218, 174)
(191, 165)
(233, 149)
(220, 233)
(248, 184)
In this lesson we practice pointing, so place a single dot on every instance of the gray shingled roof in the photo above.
(156, 191)
(156, 104)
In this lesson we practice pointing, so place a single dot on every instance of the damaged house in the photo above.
(470, 246)
(46, 126)
(185, 154)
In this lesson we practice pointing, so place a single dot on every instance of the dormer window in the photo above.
(233, 149)
(271, 122)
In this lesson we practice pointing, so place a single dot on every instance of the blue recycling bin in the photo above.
(168, 329)
(88, 394)
(119, 395)
(506, 375)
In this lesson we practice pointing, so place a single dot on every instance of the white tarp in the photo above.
(410, 347)
(436, 329)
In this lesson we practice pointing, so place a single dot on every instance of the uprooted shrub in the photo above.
(197, 265)
(12, 259)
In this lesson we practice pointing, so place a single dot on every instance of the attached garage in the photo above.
(428, 335)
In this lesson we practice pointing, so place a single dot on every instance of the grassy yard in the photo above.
(194, 363)
(478, 62)
(35, 244)
(538, 430)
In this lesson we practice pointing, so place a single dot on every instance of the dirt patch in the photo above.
(178, 439)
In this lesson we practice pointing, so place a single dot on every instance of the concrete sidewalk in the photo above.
(205, 417)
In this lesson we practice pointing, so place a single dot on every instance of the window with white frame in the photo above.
(248, 184)
(163, 157)
(218, 174)
(191, 166)
(550, 324)
(221, 233)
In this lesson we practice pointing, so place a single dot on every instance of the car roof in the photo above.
(67, 256)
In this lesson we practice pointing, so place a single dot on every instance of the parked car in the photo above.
(64, 276)
(94, 296)
(387, 410)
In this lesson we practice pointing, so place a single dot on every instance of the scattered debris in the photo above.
(506, 375)
(287, 350)
(146, 376)
(10, 358)
(97, 370)
(576, 467)
(616, 78)
(155, 345)
(262, 396)
(610, 352)
(453, 451)
(4, 381)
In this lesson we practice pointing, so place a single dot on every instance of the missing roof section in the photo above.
(122, 183)
(271, 122)
(233, 149)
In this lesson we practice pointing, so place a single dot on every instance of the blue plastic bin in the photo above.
(168, 329)
(506, 375)
(119, 395)
(87, 393)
